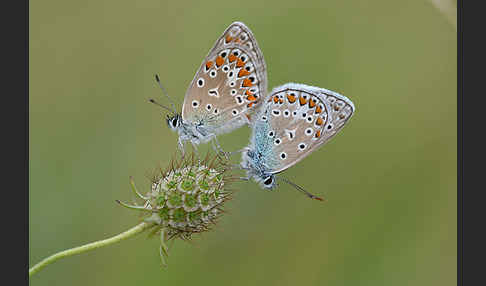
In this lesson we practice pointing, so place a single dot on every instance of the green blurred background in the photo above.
(389, 176)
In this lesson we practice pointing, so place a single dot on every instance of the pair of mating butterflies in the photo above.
(230, 90)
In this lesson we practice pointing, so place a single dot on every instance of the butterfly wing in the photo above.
(295, 120)
(229, 84)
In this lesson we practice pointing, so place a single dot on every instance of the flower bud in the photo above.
(187, 198)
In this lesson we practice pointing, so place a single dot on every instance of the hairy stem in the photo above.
(80, 249)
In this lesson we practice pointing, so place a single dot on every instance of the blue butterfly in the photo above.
(295, 120)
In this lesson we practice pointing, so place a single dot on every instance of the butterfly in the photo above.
(294, 121)
(225, 92)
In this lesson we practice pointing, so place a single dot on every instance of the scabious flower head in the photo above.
(186, 198)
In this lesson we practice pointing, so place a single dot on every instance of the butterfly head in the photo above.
(268, 182)
(174, 121)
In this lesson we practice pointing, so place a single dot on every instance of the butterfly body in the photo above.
(294, 121)
(194, 132)
(226, 90)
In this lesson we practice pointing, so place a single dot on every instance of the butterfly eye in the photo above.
(271, 133)
(226, 68)
(268, 181)
(195, 103)
(277, 141)
(208, 107)
(309, 119)
(235, 112)
(286, 113)
(233, 92)
(309, 131)
(213, 74)
(173, 122)
(283, 155)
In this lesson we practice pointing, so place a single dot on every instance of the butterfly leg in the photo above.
(181, 147)
(194, 148)
(218, 148)
(246, 119)
(238, 166)
(237, 151)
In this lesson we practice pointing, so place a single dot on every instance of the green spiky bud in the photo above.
(186, 199)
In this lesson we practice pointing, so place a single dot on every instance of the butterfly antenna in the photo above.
(299, 188)
(165, 92)
(164, 107)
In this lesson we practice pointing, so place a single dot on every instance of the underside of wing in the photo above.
(300, 118)
(229, 84)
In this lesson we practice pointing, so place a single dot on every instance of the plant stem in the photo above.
(80, 249)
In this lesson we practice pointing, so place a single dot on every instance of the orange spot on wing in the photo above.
(247, 83)
(243, 72)
(312, 104)
(319, 121)
(251, 98)
(280, 100)
(318, 133)
(228, 38)
(250, 104)
(209, 64)
(232, 58)
(318, 109)
(239, 63)
(219, 61)
(302, 100)
(248, 116)
(248, 92)
(291, 98)
(237, 40)
(275, 99)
